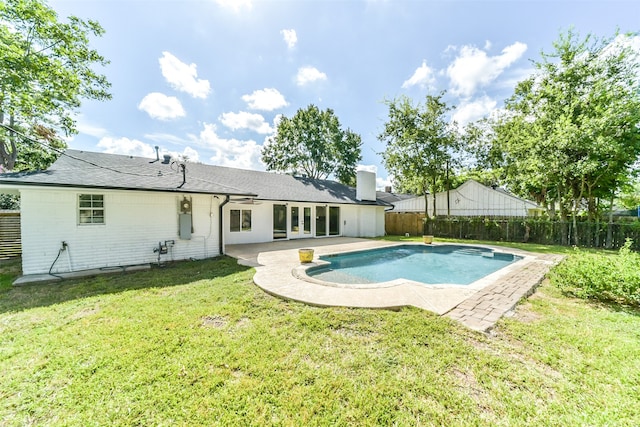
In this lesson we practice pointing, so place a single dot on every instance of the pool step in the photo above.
(474, 251)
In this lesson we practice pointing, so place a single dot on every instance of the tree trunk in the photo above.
(448, 193)
(564, 234)
(574, 220)
(8, 148)
(433, 191)
(426, 222)
(609, 242)
(551, 210)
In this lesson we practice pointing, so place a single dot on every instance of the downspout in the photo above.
(221, 226)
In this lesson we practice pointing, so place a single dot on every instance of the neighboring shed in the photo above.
(469, 200)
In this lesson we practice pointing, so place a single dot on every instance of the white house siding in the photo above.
(362, 221)
(470, 199)
(261, 223)
(355, 221)
(135, 222)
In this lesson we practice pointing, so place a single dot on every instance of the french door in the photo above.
(300, 222)
(313, 221)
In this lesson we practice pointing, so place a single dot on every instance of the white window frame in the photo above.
(95, 205)
(242, 228)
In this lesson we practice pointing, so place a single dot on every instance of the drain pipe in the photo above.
(221, 226)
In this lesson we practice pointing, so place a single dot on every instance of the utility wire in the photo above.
(63, 153)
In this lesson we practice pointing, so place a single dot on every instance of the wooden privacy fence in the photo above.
(10, 241)
(401, 223)
(590, 234)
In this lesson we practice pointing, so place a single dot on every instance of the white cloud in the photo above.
(383, 183)
(165, 138)
(188, 153)
(162, 107)
(473, 68)
(469, 111)
(236, 5)
(290, 37)
(276, 120)
(130, 147)
(423, 77)
(244, 120)
(134, 147)
(308, 75)
(267, 99)
(183, 77)
(90, 129)
(229, 152)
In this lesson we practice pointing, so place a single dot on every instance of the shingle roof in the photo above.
(392, 197)
(111, 171)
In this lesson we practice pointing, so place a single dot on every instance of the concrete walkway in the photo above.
(478, 306)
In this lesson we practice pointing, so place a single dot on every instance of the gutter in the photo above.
(221, 225)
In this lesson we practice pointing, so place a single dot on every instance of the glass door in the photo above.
(334, 221)
(321, 220)
(300, 222)
(279, 221)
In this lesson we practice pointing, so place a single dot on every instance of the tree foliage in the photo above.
(314, 144)
(46, 69)
(571, 131)
(420, 145)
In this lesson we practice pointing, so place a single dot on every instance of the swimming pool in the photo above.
(431, 265)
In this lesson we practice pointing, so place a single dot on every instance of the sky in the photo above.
(209, 79)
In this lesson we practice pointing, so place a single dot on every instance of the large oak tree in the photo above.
(314, 144)
(420, 145)
(571, 132)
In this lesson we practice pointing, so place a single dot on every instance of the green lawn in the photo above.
(196, 343)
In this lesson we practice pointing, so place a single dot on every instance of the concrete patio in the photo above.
(478, 306)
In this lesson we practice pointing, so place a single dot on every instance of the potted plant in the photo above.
(306, 255)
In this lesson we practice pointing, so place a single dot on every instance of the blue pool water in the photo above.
(450, 264)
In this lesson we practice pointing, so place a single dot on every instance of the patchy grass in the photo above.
(197, 343)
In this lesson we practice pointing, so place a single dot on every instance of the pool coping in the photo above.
(478, 308)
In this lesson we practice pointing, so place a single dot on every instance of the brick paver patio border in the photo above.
(482, 310)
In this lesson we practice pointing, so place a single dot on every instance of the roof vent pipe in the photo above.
(167, 159)
(157, 153)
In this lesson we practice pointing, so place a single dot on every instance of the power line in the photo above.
(63, 153)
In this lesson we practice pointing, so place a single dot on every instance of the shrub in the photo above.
(601, 276)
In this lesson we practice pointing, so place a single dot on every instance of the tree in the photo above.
(571, 131)
(314, 144)
(629, 197)
(421, 144)
(46, 69)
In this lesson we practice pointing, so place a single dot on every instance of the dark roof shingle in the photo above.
(112, 171)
